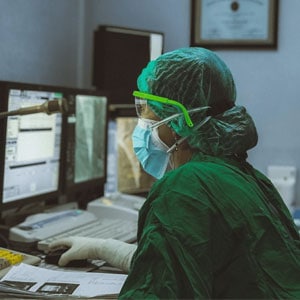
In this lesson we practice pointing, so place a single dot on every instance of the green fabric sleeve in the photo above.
(163, 269)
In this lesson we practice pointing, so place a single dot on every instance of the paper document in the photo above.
(29, 279)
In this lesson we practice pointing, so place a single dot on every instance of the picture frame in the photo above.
(234, 24)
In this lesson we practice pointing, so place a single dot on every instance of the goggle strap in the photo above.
(179, 114)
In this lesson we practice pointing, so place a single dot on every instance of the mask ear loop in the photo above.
(181, 140)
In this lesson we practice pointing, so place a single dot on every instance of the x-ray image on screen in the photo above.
(124, 172)
(90, 137)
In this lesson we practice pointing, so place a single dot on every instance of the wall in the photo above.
(39, 41)
(267, 80)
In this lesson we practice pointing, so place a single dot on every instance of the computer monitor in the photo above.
(30, 149)
(119, 56)
(85, 144)
(124, 173)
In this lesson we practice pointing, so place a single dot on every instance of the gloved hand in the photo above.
(114, 252)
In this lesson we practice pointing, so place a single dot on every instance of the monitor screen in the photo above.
(120, 54)
(30, 145)
(85, 146)
(124, 172)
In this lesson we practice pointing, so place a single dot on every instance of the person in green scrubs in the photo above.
(212, 227)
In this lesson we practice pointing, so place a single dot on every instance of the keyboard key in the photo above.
(9, 257)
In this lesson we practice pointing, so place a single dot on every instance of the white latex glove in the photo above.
(114, 252)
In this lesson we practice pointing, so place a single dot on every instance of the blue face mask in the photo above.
(152, 153)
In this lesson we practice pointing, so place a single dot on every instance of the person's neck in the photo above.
(182, 156)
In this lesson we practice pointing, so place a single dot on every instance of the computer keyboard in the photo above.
(9, 257)
(119, 229)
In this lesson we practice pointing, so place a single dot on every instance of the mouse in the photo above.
(52, 257)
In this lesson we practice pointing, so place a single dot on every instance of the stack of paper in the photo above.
(35, 281)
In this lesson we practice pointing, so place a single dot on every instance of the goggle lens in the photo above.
(141, 107)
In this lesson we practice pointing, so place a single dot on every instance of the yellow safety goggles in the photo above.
(141, 105)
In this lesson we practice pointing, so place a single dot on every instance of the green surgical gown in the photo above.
(214, 229)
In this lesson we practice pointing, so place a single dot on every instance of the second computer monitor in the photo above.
(85, 146)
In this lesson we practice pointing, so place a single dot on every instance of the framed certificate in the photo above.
(228, 23)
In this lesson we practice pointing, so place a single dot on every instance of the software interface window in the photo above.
(32, 145)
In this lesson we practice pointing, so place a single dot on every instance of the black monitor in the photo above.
(85, 146)
(30, 150)
(119, 56)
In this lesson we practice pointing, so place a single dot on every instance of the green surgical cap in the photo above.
(197, 77)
